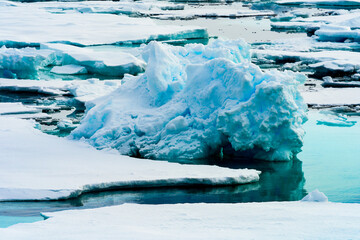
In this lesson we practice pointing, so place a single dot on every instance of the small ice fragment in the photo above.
(315, 196)
(69, 70)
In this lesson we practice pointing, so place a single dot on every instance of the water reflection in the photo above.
(282, 181)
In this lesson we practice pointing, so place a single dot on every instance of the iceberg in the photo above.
(198, 101)
(265, 221)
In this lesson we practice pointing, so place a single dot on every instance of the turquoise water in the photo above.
(6, 221)
(331, 159)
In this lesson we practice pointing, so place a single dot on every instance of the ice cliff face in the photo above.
(196, 100)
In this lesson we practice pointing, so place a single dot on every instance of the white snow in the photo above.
(332, 96)
(193, 100)
(36, 166)
(37, 25)
(273, 220)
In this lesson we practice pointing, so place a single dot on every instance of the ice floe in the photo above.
(83, 29)
(82, 90)
(36, 166)
(193, 101)
(272, 220)
(332, 96)
(156, 9)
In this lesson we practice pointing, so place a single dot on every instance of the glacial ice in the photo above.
(196, 100)
(37, 166)
(261, 221)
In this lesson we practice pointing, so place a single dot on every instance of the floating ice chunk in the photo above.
(315, 196)
(335, 121)
(193, 101)
(265, 221)
(114, 64)
(69, 69)
(20, 63)
(16, 108)
(82, 90)
(28, 173)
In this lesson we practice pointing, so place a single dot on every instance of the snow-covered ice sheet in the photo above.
(36, 166)
(37, 25)
(16, 108)
(155, 9)
(193, 101)
(82, 90)
(323, 63)
(272, 220)
(332, 96)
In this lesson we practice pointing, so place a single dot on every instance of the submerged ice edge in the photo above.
(63, 194)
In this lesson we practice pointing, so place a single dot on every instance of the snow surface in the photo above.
(36, 166)
(37, 25)
(194, 100)
(332, 96)
(70, 69)
(272, 220)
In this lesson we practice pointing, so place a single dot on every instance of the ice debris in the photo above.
(315, 196)
(195, 101)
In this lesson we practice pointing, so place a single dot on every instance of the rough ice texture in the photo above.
(193, 101)
(20, 63)
(36, 166)
(263, 221)
(83, 29)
